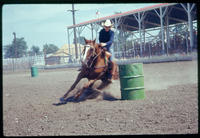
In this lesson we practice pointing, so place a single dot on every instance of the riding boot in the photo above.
(113, 69)
(110, 70)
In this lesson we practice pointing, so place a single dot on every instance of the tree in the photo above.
(17, 49)
(35, 50)
(50, 48)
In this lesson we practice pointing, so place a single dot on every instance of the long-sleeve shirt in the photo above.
(106, 37)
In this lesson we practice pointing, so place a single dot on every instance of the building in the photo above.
(62, 56)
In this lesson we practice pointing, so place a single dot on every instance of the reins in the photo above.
(96, 55)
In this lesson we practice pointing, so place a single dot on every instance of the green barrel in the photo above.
(34, 71)
(131, 81)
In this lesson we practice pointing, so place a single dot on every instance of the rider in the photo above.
(106, 37)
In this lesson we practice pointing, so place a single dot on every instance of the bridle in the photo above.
(94, 54)
(83, 52)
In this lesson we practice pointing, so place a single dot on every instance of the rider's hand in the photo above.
(103, 44)
(104, 48)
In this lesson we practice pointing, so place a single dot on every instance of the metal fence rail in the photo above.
(25, 63)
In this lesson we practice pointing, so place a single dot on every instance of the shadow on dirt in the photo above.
(90, 93)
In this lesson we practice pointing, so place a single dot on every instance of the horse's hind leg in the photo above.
(87, 85)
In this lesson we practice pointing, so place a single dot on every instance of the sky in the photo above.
(41, 24)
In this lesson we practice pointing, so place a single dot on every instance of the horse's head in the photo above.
(91, 49)
(94, 46)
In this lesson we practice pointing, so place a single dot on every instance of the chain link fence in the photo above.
(21, 64)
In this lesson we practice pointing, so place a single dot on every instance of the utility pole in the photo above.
(14, 42)
(75, 39)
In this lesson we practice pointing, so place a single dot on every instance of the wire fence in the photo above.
(24, 63)
(155, 50)
(150, 54)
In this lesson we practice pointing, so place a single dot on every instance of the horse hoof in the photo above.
(62, 100)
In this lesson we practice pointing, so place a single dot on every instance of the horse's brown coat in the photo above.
(95, 69)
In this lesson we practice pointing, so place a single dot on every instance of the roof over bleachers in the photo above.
(176, 14)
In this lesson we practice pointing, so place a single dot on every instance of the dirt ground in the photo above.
(170, 105)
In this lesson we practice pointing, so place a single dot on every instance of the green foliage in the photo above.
(50, 48)
(17, 49)
(35, 50)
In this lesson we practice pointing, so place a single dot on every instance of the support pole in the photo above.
(167, 29)
(92, 31)
(168, 37)
(74, 28)
(15, 57)
(139, 19)
(79, 34)
(133, 46)
(190, 27)
(140, 32)
(79, 31)
(143, 29)
(70, 55)
(188, 10)
(187, 42)
(116, 36)
(162, 32)
(161, 15)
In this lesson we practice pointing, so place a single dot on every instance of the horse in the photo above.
(95, 66)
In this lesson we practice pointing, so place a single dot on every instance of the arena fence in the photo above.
(25, 63)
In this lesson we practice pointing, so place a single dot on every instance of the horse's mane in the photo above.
(92, 61)
(103, 54)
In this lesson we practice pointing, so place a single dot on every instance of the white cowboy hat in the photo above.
(107, 23)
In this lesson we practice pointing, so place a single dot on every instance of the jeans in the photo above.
(110, 50)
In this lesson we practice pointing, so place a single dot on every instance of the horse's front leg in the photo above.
(79, 77)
